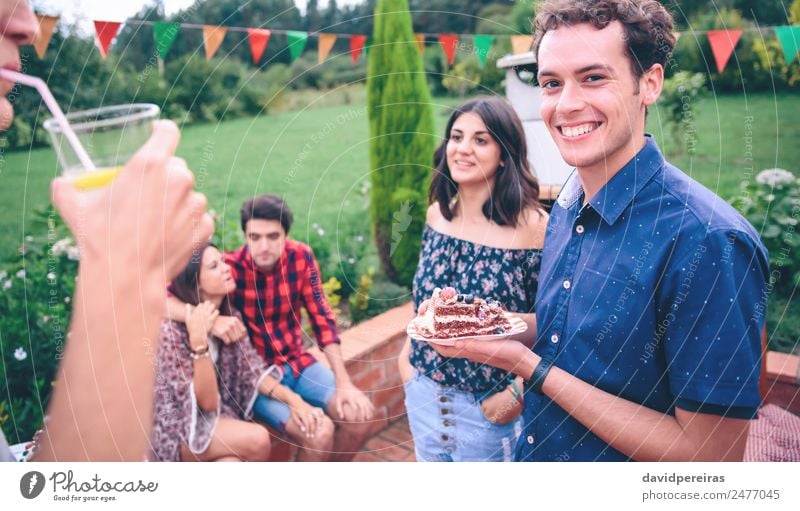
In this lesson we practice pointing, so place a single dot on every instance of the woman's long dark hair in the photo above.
(186, 286)
(515, 187)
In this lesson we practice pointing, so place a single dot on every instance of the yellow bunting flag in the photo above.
(420, 42)
(212, 39)
(325, 44)
(47, 24)
(521, 43)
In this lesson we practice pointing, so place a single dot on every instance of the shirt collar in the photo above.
(620, 191)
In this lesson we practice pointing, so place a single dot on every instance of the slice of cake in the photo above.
(450, 314)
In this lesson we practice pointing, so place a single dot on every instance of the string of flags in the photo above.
(722, 42)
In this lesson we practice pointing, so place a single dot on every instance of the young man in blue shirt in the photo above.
(651, 295)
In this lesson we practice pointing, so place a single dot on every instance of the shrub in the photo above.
(381, 296)
(36, 289)
(401, 139)
(772, 205)
(678, 95)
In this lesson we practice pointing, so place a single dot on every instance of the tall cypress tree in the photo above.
(401, 139)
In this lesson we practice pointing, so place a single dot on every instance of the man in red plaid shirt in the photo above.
(276, 277)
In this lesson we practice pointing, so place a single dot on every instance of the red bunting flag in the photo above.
(722, 44)
(449, 43)
(356, 45)
(106, 32)
(258, 37)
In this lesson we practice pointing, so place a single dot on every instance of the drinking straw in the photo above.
(52, 105)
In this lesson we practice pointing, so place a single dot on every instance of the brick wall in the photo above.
(370, 352)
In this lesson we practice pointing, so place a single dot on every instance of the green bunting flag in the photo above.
(164, 35)
(790, 41)
(482, 45)
(297, 43)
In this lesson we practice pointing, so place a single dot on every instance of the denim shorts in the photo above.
(448, 425)
(316, 385)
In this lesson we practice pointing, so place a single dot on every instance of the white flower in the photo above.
(321, 231)
(51, 276)
(3, 274)
(351, 261)
(20, 354)
(45, 319)
(21, 274)
(7, 284)
(359, 238)
(61, 246)
(315, 226)
(775, 177)
(28, 238)
(66, 299)
(73, 254)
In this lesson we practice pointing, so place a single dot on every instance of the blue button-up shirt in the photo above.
(653, 291)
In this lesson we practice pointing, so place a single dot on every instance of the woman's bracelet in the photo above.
(515, 390)
(199, 353)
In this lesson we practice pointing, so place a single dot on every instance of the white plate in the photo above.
(517, 327)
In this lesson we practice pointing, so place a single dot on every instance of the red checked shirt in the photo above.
(270, 304)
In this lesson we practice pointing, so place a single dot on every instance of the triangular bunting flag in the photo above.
(356, 45)
(521, 43)
(106, 32)
(449, 43)
(420, 42)
(722, 44)
(789, 38)
(367, 46)
(258, 37)
(325, 44)
(47, 24)
(164, 35)
(212, 39)
(297, 43)
(482, 45)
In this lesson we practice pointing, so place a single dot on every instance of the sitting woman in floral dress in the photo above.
(483, 236)
(205, 388)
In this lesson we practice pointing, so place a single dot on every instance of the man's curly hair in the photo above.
(647, 25)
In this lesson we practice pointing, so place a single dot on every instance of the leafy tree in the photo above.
(402, 140)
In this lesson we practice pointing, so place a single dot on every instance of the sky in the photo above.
(84, 11)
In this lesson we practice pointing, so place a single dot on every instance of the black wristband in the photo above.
(538, 376)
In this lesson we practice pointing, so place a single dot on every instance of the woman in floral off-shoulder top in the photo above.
(484, 235)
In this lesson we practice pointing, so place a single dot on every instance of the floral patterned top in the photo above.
(177, 418)
(510, 276)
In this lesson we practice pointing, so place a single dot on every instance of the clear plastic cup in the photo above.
(110, 135)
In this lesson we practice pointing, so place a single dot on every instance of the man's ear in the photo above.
(650, 84)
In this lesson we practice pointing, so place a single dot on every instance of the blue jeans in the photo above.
(316, 385)
(448, 425)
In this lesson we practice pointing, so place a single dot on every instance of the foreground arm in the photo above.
(636, 431)
(133, 236)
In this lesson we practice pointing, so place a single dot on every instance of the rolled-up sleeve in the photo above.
(713, 301)
(322, 319)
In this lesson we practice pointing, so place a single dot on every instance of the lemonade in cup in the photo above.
(110, 136)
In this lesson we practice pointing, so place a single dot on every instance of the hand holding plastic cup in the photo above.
(110, 136)
(92, 145)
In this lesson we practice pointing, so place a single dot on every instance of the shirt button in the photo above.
(567, 284)
(554, 338)
(530, 439)
(579, 229)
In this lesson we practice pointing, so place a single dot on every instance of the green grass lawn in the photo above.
(317, 158)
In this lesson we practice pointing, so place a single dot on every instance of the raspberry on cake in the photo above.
(450, 314)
